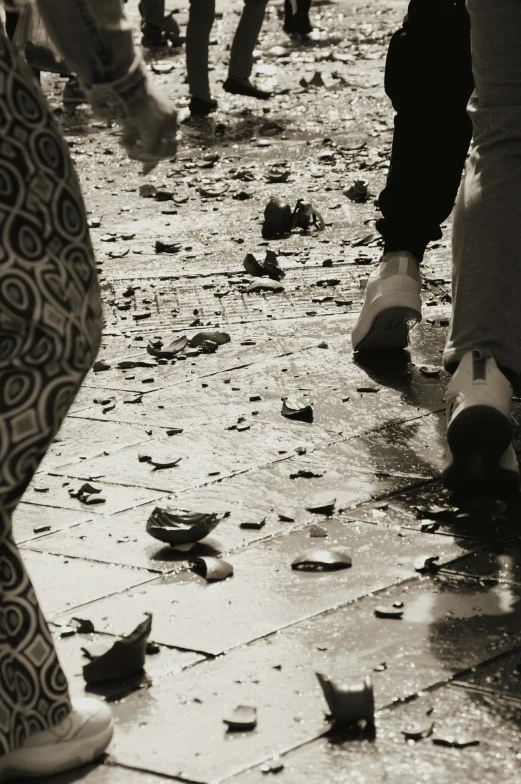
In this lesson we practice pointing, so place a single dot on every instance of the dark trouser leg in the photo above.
(245, 38)
(200, 21)
(152, 11)
(50, 323)
(429, 80)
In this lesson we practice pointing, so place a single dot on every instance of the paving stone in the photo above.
(117, 497)
(502, 562)
(254, 495)
(214, 618)
(204, 451)
(500, 677)
(29, 517)
(168, 662)
(62, 583)
(401, 510)
(108, 774)
(449, 625)
(355, 757)
(84, 439)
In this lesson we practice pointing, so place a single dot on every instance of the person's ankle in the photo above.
(393, 253)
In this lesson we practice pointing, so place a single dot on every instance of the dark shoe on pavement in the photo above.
(245, 87)
(171, 30)
(200, 107)
(73, 94)
(296, 17)
(153, 37)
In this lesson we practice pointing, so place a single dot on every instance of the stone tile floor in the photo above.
(259, 638)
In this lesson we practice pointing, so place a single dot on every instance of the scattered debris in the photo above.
(429, 371)
(83, 625)
(175, 526)
(306, 214)
(254, 525)
(427, 564)
(214, 337)
(88, 494)
(159, 464)
(212, 193)
(167, 247)
(455, 741)
(349, 704)
(278, 174)
(244, 717)
(322, 503)
(316, 531)
(278, 219)
(274, 766)
(436, 512)
(358, 192)
(212, 569)
(265, 285)
(418, 731)
(315, 81)
(305, 473)
(389, 612)
(270, 266)
(322, 559)
(124, 658)
(292, 408)
(100, 365)
(156, 348)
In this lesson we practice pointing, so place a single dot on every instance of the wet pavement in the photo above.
(450, 664)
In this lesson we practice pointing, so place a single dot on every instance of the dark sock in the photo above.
(512, 377)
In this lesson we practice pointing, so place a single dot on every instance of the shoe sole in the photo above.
(64, 757)
(389, 329)
(477, 439)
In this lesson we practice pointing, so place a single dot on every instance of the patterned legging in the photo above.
(50, 323)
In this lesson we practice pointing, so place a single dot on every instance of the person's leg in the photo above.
(152, 11)
(487, 221)
(200, 21)
(50, 321)
(429, 80)
(296, 17)
(245, 38)
(485, 330)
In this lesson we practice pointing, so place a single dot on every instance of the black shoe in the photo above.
(153, 36)
(200, 107)
(297, 21)
(244, 87)
(73, 94)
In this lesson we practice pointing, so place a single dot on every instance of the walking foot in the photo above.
(244, 87)
(200, 107)
(392, 304)
(480, 456)
(79, 739)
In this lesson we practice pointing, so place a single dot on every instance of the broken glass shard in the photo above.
(322, 559)
(211, 568)
(175, 526)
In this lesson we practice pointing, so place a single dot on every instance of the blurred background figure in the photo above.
(200, 21)
(158, 29)
(296, 17)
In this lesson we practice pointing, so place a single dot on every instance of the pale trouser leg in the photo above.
(245, 38)
(487, 220)
(200, 21)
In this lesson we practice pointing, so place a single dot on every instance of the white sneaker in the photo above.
(480, 455)
(80, 738)
(392, 304)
